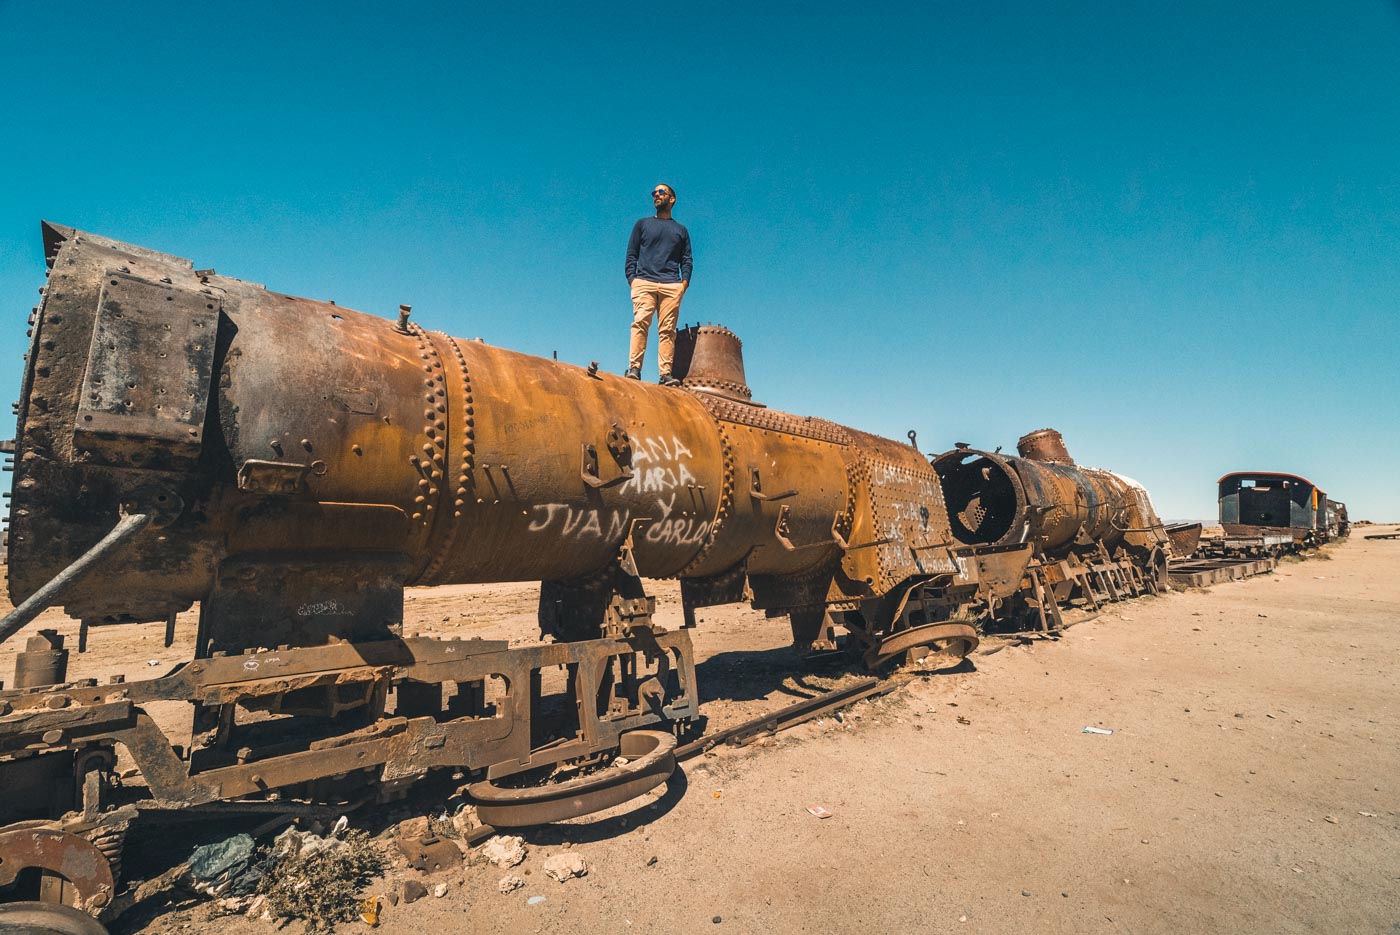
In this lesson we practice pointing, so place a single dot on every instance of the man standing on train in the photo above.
(658, 269)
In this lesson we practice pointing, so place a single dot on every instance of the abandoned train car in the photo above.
(290, 466)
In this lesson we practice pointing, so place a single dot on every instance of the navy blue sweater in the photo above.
(659, 251)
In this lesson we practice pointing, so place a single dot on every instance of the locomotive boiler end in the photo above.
(1095, 533)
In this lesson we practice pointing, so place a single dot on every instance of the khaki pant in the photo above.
(662, 299)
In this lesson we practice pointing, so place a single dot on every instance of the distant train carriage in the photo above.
(1269, 506)
(1338, 524)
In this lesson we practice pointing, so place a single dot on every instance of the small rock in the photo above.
(412, 890)
(440, 890)
(510, 883)
(465, 820)
(414, 828)
(565, 866)
(717, 920)
(962, 918)
(1367, 814)
(1025, 892)
(651, 861)
(504, 850)
(1329, 818)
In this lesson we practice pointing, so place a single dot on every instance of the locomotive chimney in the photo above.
(711, 358)
(1044, 445)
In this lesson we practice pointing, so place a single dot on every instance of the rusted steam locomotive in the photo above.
(290, 466)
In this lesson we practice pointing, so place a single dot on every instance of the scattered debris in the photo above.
(319, 879)
(1097, 730)
(369, 910)
(534, 900)
(1329, 819)
(219, 869)
(819, 811)
(1367, 814)
(424, 848)
(440, 890)
(510, 883)
(504, 850)
(963, 720)
(565, 866)
(412, 891)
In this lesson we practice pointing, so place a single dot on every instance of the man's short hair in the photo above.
(671, 188)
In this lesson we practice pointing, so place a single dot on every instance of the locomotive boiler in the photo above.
(291, 466)
(1095, 533)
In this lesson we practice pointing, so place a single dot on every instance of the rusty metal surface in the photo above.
(710, 358)
(44, 661)
(302, 463)
(345, 439)
(1046, 445)
(1185, 539)
(651, 759)
(949, 643)
(1202, 573)
(995, 499)
(1095, 534)
(78, 862)
(796, 713)
(39, 918)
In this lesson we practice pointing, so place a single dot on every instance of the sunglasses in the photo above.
(660, 191)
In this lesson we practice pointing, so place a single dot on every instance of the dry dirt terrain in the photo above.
(1251, 782)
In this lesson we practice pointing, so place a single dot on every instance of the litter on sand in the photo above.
(1096, 730)
(818, 811)
(534, 900)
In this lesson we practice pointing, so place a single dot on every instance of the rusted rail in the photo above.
(789, 716)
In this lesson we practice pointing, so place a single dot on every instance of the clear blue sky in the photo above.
(1171, 231)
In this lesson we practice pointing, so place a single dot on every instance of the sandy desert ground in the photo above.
(1251, 782)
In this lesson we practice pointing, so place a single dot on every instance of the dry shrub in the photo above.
(323, 887)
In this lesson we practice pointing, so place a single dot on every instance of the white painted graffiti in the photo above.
(590, 523)
(661, 467)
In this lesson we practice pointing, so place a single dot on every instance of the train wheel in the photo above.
(949, 643)
(30, 918)
(651, 761)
